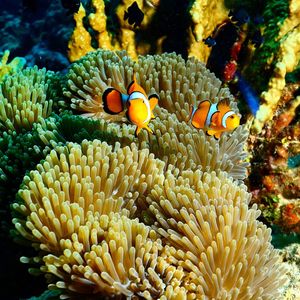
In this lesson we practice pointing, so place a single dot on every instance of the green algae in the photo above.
(260, 70)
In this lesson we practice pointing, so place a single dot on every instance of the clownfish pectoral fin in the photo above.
(153, 100)
(138, 130)
(217, 135)
(215, 119)
(112, 101)
(149, 129)
(210, 132)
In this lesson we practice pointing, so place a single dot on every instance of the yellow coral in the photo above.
(16, 64)
(98, 23)
(127, 38)
(206, 16)
(80, 42)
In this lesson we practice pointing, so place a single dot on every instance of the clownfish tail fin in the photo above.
(113, 101)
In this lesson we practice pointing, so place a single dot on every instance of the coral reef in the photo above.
(286, 60)
(77, 195)
(193, 22)
(273, 180)
(103, 213)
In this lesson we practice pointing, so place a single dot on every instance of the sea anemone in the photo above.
(199, 238)
(24, 99)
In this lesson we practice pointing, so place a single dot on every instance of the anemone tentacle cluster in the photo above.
(24, 99)
(161, 216)
(80, 206)
(179, 84)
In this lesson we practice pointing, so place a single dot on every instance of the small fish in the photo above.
(134, 15)
(139, 106)
(214, 118)
(209, 41)
(71, 5)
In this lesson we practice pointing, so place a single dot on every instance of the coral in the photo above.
(112, 259)
(287, 60)
(80, 42)
(79, 208)
(206, 16)
(274, 180)
(274, 13)
(179, 84)
(117, 177)
(25, 99)
(8, 68)
(290, 255)
(208, 235)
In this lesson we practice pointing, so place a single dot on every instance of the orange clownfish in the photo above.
(139, 106)
(214, 117)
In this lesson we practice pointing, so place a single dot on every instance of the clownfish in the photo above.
(215, 118)
(139, 106)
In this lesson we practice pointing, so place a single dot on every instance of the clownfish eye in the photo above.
(231, 117)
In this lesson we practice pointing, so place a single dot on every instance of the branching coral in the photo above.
(24, 99)
(80, 42)
(179, 84)
(78, 207)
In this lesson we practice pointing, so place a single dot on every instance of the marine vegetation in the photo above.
(102, 208)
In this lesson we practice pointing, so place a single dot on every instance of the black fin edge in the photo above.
(104, 101)
(153, 96)
(129, 86)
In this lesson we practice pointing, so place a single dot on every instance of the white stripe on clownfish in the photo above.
(213, 108)
(226, 115)
(139, 95)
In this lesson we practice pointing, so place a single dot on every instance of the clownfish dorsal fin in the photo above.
(135, 87)
(204, 103)
(224, 104)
